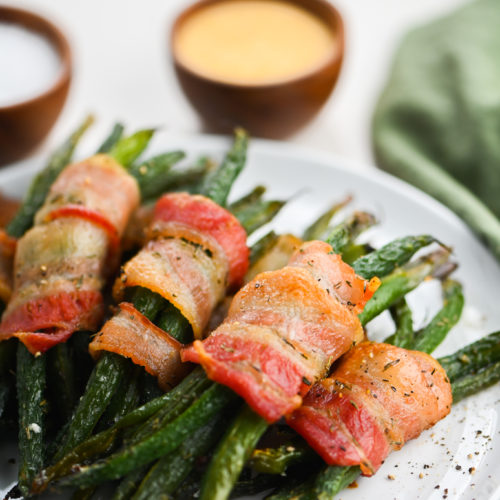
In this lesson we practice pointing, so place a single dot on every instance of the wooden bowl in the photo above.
(274, 110)
(24, 125)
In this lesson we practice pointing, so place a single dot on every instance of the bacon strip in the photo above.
(196, 250)
(379, 397)
(283, 331)
(202, 215)
(130, 334)
(182, 272)
(101, 186)
(61, 264)
(60, 269)
(7, 249)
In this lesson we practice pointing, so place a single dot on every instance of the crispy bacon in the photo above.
(379, 397)
(7, 249)
(129, 333)
(283, 331)
(61, 264)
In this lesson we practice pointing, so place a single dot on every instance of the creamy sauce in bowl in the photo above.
(253, 42)
(29, 64)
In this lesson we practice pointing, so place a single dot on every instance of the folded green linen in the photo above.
(437, 123)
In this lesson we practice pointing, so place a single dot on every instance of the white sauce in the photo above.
(29, 64)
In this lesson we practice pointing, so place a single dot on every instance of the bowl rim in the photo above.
(57, 39)
(335, 59)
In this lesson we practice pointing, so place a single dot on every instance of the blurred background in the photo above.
(122, 66)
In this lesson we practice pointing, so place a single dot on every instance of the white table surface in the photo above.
(122, 66)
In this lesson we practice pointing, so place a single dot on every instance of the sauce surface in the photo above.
(29, 64)
(253, 41)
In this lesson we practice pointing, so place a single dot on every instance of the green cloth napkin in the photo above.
(437, 123)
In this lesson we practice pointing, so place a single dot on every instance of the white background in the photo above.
(122, 66)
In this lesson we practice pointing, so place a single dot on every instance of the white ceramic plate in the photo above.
(436, 465)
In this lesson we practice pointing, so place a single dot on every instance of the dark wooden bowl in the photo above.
(24, 125)
(272, 110)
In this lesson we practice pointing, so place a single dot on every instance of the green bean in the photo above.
(42, 182)
(383, 261)
(100, 389)
(232, 453)
(170, 471)
(153, 175)
(190, 179)
(355, 251)
(472, 357)
(342, 236)
(128, 149)
(218, 183)
(473, 383)
(124, 400)
(248, 200)
(319, 227)
(175, 324)
(169, 411)
(30, 394)
(404, 280)
(62, 380)
(146, 301)
(161, 443)
(331, 480)
(435, 332)
(110, 141)
(403, 318)
(260, 213)
(149, 389)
